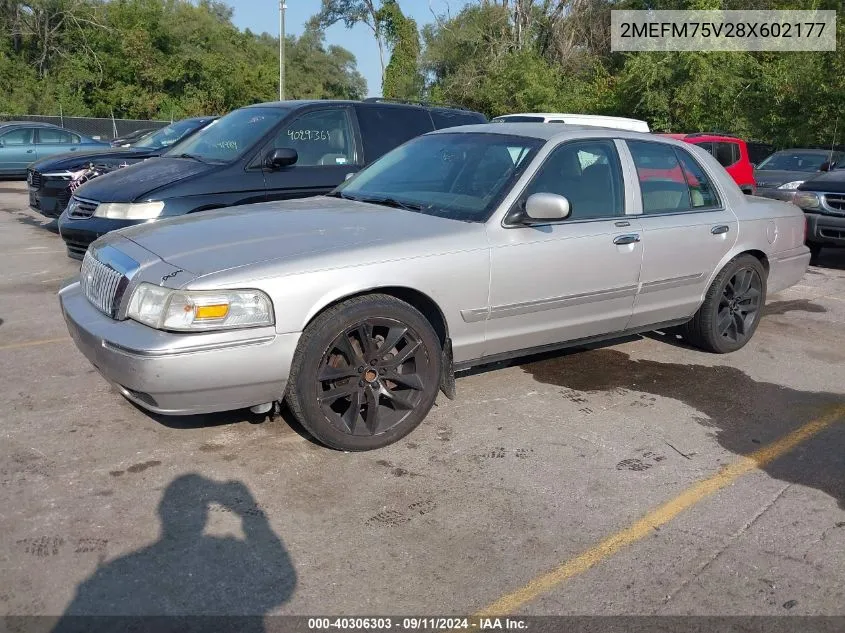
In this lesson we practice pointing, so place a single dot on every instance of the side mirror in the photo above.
(826, 166)
(546, 207)
(280, 157)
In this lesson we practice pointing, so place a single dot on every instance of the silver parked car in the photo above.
(459, 248)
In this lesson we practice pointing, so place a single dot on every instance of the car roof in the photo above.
(546, 132)
(28, 124)
(704, 136)
(298, 103)
(807, 150)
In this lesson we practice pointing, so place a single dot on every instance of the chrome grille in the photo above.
(81, 208)
(835, 202)
(101, 284)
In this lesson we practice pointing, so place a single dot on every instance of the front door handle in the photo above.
(30, 151)
(629, 238)
(718, 230)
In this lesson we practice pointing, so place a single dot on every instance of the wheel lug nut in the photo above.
(360, 370)
(361, 383)
(373, 362)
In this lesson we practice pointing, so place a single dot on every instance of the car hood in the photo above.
(777, 177)
(72, 160)
(139, 181)
(310, 234)
(833, 181)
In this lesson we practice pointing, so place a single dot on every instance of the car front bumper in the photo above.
(180, 374)
(51, 198)
(825, 229)
(78, 233)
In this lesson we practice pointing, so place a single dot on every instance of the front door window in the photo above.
(320, 138)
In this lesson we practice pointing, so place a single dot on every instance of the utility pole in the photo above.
(282, 8)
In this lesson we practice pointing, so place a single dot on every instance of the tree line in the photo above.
(155, 59)
(163, 58)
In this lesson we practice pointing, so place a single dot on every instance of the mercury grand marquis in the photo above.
(462, 247)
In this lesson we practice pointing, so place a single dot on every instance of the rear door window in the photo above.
(702, 192)
(663, 184)
(726, 153)
(385, 127)
(49, 136)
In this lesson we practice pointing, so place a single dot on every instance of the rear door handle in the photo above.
(622, 223)
(629, 238)
(718, 230)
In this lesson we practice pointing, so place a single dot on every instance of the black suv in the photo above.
(823, 200)
(268, 151)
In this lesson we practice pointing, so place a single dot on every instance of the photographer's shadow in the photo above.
(189, 573)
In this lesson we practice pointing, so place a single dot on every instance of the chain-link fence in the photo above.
(104, 129)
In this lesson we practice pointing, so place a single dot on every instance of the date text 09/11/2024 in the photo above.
(418, 624)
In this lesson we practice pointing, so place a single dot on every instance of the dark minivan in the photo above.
(268, 151)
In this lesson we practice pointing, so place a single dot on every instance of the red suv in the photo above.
(731, 152)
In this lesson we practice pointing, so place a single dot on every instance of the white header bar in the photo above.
(723, 30)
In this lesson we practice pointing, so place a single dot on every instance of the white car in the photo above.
(598, 120)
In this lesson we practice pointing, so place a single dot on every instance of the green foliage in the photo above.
(154, 58)
(530, 55)
(402, 77)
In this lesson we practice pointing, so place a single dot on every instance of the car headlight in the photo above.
(192, 310)
(791, 185)
(64, 175)
(806, 200)
(129, 210)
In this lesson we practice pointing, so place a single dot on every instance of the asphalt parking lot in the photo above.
(607, 481)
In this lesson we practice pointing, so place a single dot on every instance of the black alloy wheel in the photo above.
(732, 307)
(366, 372)
(739, 306)
(372, 376)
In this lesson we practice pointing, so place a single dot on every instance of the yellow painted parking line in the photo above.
(44, 341)
(511, 602)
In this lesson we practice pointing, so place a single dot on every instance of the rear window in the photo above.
(384, 128)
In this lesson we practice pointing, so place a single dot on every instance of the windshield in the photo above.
(228, 138)
(797, 161)
(458, 176)
(169, 135)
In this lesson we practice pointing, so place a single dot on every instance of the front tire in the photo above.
(365, 374)
(730, 313)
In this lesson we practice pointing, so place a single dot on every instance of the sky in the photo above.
(263, 15)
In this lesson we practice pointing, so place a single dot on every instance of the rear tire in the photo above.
(365, 374)
(815, 251)
(730, 313)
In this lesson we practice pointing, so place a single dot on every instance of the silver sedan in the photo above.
(460, 248)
